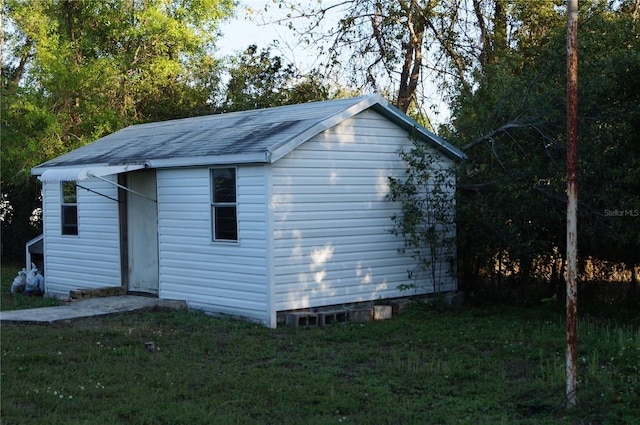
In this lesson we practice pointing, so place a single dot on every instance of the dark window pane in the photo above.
(224, 185)
(69, 220)
(226, 226)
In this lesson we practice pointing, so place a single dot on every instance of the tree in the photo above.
(98, 66)
(258, 79)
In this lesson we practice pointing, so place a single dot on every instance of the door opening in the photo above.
(142, 233)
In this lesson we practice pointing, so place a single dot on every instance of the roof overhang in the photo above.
(82, 172)
(196, 161)
(401, 119)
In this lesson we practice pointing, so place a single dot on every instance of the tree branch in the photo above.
(22, 65)
(455, 57)
(488, 137)
(484, 54)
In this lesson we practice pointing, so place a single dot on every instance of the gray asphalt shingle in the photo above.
(241, 134)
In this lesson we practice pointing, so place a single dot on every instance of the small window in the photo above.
(224, 204)
(69, 208)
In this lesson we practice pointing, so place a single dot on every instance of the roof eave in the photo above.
(191, 161)
(196, 161)
(40, 169)
(399, 118)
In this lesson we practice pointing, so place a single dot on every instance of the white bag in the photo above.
(35, 281)
(19, 282)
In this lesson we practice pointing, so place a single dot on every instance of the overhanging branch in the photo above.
(489, 137)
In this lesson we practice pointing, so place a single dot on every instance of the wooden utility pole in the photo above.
(572, 202)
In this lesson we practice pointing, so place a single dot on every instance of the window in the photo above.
(69, 208)
(224, 204)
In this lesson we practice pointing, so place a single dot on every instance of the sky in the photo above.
(253, 25)
(241, 31)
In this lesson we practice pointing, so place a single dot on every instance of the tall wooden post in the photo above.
(572, 201)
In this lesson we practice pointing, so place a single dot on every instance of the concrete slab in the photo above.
(90, 307)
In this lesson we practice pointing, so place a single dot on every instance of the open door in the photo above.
(142, 232)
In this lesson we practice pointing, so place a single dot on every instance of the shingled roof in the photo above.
(257, 136)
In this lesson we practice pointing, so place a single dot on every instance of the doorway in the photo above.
(142, 232)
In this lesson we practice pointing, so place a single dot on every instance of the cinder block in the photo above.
(332, 316)
(382, 312)
(302, 319)
(399, 307)
(361, 314)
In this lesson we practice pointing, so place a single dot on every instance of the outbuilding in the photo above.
(247, 213)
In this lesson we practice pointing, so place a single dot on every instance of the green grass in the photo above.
(464, 366)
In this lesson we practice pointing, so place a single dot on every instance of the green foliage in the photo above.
(426, 222)
(258, 79)
(77, 70)
(609, 130)
(513, 126)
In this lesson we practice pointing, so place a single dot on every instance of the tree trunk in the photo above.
(410, 74)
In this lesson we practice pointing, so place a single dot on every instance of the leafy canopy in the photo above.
(513, 127)
(77, 70)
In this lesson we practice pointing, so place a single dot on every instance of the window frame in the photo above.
(65, 207)
(216, 205)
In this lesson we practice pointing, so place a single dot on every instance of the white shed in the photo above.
(248, 213)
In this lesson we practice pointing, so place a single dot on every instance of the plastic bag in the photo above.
(35, 282)
(19, 282)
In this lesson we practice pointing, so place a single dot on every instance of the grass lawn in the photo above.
(428, 366)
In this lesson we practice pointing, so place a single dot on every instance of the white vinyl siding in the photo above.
(90, 259)
(212, 276)
(332, 218)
